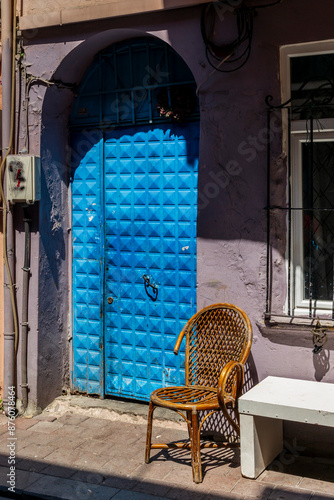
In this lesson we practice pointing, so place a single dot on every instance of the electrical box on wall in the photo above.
(23, 176)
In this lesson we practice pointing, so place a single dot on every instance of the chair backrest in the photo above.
(215, 335)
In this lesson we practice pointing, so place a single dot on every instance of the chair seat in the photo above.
(186, 398)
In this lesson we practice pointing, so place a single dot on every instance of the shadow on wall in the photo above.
(234, 139)
(53, 230)
(232, 171)
(55, 160)
(321, 363)
(84, 141)
(301, 337)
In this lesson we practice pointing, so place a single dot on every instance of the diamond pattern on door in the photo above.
(87, 268)
(150, 187)
(134, 199)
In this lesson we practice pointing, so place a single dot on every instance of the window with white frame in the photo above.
(308, 140)
(312, 220)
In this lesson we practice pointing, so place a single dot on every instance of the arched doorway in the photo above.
(134, 140)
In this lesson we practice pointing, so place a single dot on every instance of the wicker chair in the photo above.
(218, 342)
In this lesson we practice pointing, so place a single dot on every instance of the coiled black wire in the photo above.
(237, 52)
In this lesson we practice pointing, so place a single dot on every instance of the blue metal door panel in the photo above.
(150, 229)
(139, 218)
(87, 374)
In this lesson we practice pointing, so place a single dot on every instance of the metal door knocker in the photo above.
(153, 294)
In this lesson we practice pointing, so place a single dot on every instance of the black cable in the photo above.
(231, 70)
(227, 53)
(219, 50)
(230, 60)
(267, 5)
(228, 2)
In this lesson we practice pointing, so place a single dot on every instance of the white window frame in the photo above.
(299, 137)
(324, 131)
(299, 50)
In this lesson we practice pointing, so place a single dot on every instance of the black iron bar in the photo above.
(110, 124)
(149, 90)
(133, 107)
(133, 116)
(333, 288)
(131, 66)
(116, 85)
(150, 101)
(268, 277)
(167, 63)
(289, 211)
(100, 96)
(310, 277)
(300, 316)
(305, 209)
(137, 87)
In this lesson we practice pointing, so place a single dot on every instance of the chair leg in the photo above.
(149, 432)
(195, 449)
(189, 424)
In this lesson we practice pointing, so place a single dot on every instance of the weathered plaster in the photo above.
(232, 181)
(36, 14)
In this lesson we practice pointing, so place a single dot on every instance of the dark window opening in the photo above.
(138, 81)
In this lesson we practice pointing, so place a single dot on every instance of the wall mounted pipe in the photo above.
(8, 71)
(25, 297)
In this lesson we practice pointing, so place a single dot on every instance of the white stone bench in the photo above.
(265, 406)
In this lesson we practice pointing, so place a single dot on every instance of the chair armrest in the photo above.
(229, 390)
(179, 340)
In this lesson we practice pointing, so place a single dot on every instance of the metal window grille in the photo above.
(309, 104)
(139, 81)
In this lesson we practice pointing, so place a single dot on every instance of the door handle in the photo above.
(154, 293)
(148, 283)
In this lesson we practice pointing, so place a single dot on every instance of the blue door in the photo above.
(150, 254)
(134, 257)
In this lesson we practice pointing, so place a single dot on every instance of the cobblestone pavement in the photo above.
(73, 453)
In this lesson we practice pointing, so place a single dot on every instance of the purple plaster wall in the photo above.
(232, 180)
